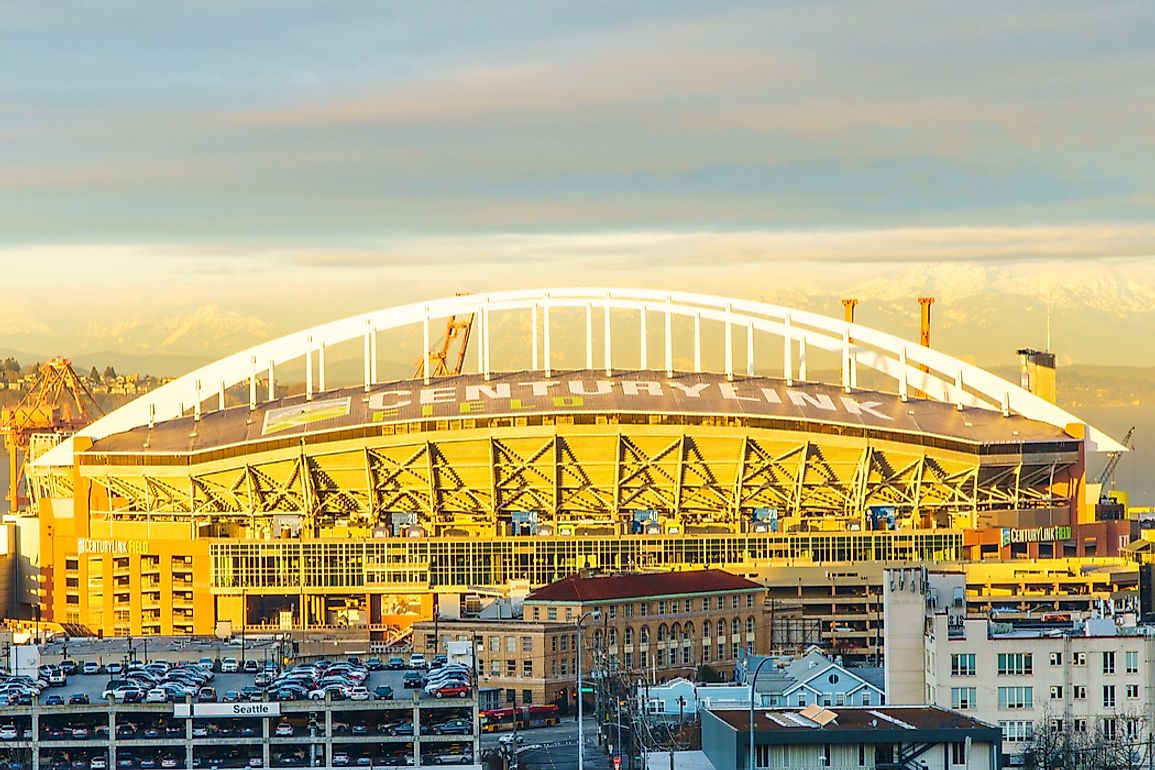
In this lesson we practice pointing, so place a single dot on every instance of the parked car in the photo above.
(284, 730)
(417, 661)
(412, 679)
(90, 667)
(78, 698)
(395, 663)
(382, 692)
(358, 693)
(250, 666)
(53, 700)
(451, 690)
(230, 666)
(454, 727)
(374, 664)
(8, 732)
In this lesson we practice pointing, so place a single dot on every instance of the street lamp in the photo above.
(753, 679)
(595, 614)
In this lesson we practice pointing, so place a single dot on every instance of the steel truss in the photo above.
(592, 479)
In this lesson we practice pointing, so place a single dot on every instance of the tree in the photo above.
(109, 372)
(1056, 746)
(94, 375)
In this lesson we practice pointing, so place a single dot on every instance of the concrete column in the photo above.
(265, 732)
(416, 729)
(35, 735)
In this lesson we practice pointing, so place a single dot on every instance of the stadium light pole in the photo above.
(753, 679)
(595, 614)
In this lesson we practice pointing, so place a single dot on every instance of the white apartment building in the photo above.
(1091, 678)
(1079, 676)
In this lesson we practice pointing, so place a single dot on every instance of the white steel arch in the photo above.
(914, 368)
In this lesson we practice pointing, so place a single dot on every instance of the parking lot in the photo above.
(392, 732)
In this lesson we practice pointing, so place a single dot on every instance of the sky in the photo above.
(192, 178)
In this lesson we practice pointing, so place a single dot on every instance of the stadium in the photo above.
(620, 429)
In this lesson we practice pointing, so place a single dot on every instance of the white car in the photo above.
(284, 730)
(230, 666)
(98, 763)
(156, 695)
(358, 693)
(417, 660)
(9, 732)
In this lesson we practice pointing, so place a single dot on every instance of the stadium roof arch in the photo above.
(915, 369)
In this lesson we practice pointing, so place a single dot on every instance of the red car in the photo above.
(450, 690)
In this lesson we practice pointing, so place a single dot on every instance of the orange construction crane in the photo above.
(58, 403)
(456, 332)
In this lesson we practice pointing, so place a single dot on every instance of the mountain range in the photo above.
(982, 313)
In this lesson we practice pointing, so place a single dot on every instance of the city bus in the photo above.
(521, 718)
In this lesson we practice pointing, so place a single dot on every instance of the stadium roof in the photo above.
(527, 393)
(608, 588)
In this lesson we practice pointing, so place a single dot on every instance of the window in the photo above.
(1056, 692)
(495, 667)
(644, 635)
(1131, 728)
(661, 606)
(735, 627)
(865, 697)
(801, 699)
(1017, 730)
(510, 668)
(613, 611)
(749, 626)
(629, 610)
(1078, 658)
(644, 609)
(527, 696)
(1016, 698)
(613, 637)
(1108, 696)
(1079, 692)
(721, 602)
(1079, 725)
(537, 613)
(1132, 662)
(565, 665)
(629, 635)
(1015, 664)
(749, 600)
(511, 644)
(734, 602)
(961, 698)
(494, 643)
(958, 753)
(962, 664)
(527, 644)
(527, 668)
(629, 661)
(1108, 662)
(721, 628)
(551, 613)
(565, 643)
(1132, 691)
(1056, 659)
(1110, 728)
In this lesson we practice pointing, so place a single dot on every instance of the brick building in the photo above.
(658, 624)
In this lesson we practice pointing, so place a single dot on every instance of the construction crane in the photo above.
(58, 403)
(457, 331)
(1108, 472)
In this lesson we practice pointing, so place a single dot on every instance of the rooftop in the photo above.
(608, 588)
(591, 392)
(876, 718)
